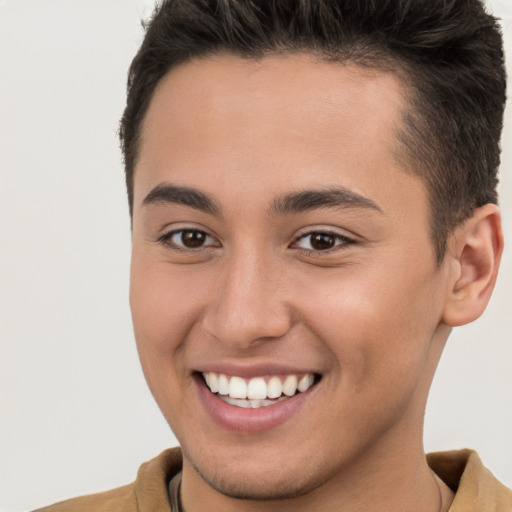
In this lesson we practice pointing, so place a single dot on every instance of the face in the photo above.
(278, 243)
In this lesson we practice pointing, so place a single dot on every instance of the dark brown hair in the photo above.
(448, 51)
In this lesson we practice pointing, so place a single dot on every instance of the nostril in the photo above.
(246, 314)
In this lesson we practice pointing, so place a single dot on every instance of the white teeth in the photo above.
(305, 382)
(237, 388)
(274, 387)
(223, 384)
(290, 385)
(255, 392)
(213, 382)
(250, 404)
(257, 388)
(246, 404)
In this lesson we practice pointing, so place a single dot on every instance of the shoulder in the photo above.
(122, 498)
(475, 487)
(148, 493)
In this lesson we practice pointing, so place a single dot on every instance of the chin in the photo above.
(266, 482)
(254, 488)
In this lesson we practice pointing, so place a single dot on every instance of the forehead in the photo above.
(303, 76)
(289, 88)
(280, 120)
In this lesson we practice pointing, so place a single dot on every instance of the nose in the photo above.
(249, 305)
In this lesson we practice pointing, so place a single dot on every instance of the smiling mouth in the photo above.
(258, 391)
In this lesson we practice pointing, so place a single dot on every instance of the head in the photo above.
(448, 56)
(312, 189)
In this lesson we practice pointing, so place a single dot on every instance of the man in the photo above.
(312, 190)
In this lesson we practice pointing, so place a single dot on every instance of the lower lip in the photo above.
(250, 421)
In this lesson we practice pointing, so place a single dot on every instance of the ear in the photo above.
(474, 250)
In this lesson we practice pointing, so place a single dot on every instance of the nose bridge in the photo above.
(249, 304)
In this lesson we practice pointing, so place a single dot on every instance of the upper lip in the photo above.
(250, 370)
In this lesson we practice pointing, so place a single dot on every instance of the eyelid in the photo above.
(165, 239)
(347, 241)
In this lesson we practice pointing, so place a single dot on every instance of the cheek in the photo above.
(378, 325)
(164, 303)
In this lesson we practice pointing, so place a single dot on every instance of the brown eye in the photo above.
(192, 239)
(322, 241)
(188, 239)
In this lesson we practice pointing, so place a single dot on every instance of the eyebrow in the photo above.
(296, 202)
(339, 197)
(186, 196)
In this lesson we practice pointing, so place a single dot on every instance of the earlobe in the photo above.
(475, 250)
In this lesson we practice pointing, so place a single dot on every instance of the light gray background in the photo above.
(75, 414)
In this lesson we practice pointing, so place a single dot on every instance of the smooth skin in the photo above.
(351, 291)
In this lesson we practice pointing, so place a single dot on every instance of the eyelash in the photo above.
(166, 240)
(343, 241)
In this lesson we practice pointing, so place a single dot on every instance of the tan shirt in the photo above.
(477, 490)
